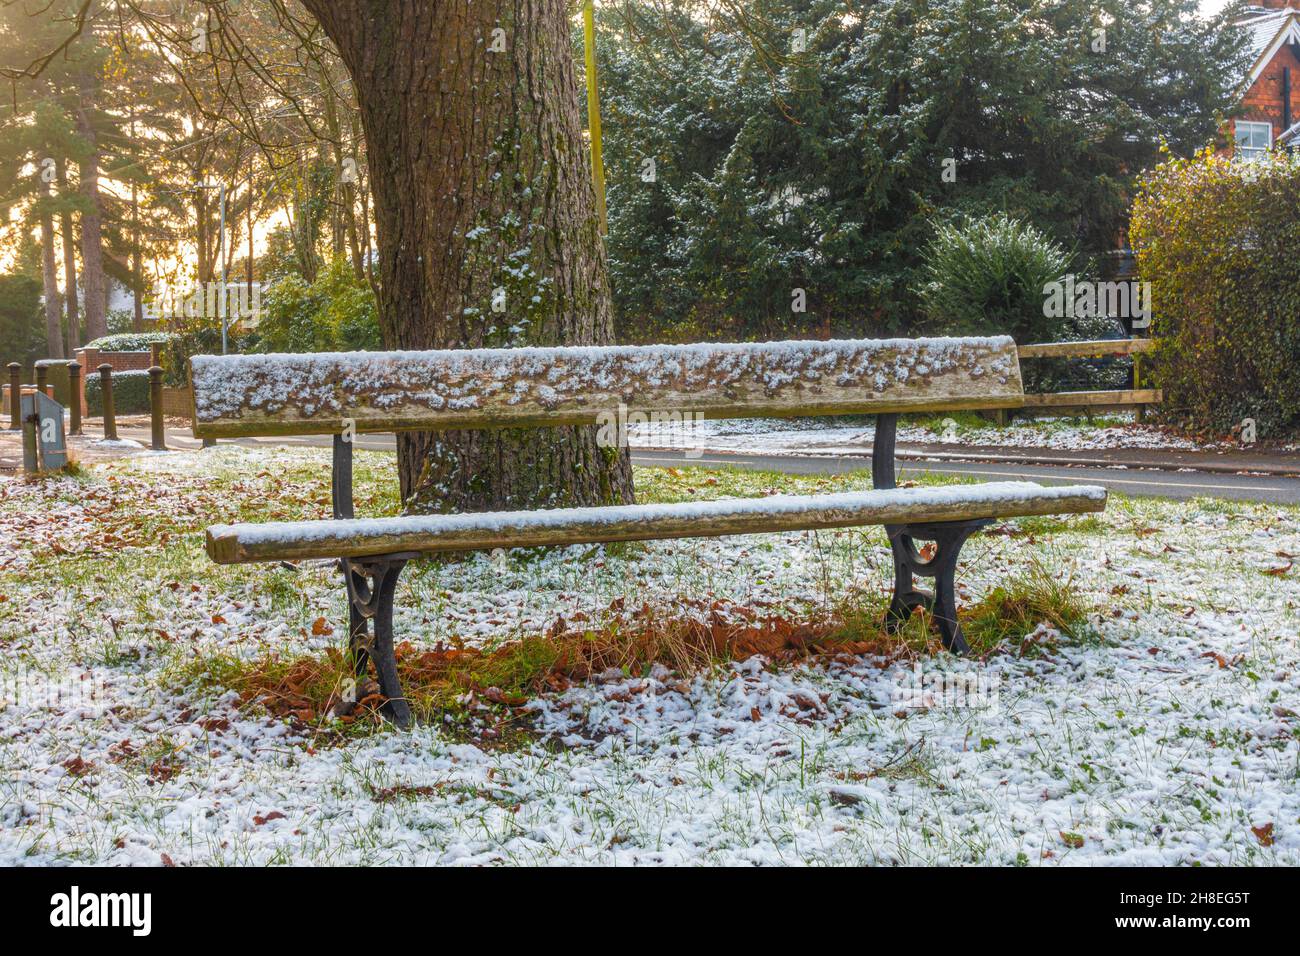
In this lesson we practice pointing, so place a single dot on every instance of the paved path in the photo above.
(1158, 484)
(1134, 472)
(1230, 461)
(1163, 484)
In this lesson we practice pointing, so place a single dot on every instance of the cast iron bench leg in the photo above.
(358, 626)
(372, 584)
(907, 597)
(948, 538)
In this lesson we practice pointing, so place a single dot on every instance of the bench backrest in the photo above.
(240, 395)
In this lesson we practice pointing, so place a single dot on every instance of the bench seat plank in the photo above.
(363, 537)
(326, 393)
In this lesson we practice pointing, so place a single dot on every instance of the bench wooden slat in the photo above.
(241, 543)
(242, 395)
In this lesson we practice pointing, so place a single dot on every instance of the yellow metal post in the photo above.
(593, 111)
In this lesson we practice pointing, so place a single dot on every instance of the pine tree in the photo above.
(28, 177)
(816, 145)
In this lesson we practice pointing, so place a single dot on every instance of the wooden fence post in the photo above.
(1141, 414)
(106, 390)
(42, 378)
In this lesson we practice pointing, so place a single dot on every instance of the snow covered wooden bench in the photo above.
(342, 394)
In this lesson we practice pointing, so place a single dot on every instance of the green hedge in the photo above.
(1217, 240)
(130, 394)
(336, 313)
(198, 336)
(56, 374)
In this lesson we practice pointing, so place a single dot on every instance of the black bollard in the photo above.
(106, 387)
(74, 400)
(159, 442)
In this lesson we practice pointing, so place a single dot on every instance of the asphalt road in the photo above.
(1146, 482)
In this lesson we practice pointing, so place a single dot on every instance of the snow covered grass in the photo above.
(1163, 730)
(484, 693)
(1115, 430)
(827, 435)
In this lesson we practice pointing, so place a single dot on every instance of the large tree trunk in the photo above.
(482, 195)
(92, 240)
(69, 261)
(50, 284)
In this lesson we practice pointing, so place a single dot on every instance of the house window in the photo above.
(1253, 140)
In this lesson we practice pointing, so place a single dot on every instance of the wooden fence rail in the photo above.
(1105, 348)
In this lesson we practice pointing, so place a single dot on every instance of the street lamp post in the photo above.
(221, 301)
(593, 111)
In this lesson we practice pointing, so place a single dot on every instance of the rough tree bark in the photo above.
(92, 240)
(69, 240)
(50, 283)
(486, 224)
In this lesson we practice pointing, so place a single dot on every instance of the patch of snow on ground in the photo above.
(1165, 740)
(823, 436)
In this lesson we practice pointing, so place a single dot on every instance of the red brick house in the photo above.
(1271, 97)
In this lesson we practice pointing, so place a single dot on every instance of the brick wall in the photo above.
(92, 359)
(1263, 101)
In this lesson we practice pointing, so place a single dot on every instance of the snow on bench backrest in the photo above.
(391, 391)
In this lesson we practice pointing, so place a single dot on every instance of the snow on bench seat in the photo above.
(361, 537)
